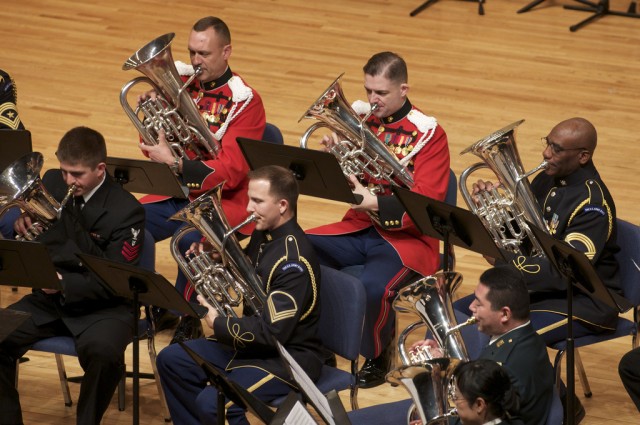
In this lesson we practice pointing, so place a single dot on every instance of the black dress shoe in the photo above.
(189, 328)
(373, 371)
(164, 319)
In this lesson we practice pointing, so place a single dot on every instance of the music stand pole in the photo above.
(599, 9)
(578, 271)
(140, 286)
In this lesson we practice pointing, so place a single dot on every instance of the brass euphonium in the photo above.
(359, 152)
(173, 110)
(505, 209)
(425, 377)
(21, 186)
(227, 283)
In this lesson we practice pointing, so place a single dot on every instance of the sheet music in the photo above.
(317, 399)
(299, 415)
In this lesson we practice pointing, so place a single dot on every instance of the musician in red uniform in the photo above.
(231, 109)
(392, 251)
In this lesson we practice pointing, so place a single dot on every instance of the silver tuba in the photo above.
(431, 299)
(173, 110)
(360, 152)
(426, 378)
(428, 384)
(503, 211)
(230, 282)
(21, 186)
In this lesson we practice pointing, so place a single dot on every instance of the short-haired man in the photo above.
(501, 307)
(231, 109)
(104, 220)
(391, 250)
(577, 208)
(243, 348)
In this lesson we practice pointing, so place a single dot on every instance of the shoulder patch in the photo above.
(596, 209)
(289, 266)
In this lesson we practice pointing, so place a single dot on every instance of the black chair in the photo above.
(272, 134)
(65, 345)
(342, 308)
(629, 260)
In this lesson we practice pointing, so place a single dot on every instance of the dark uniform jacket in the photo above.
(523, 354)
(9, 118)
(288, 268)
(110, 225)
(579, 210)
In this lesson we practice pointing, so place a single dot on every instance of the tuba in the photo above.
(231, 281)
(428, 383)
(21, 186)
(173, 110)
(360, 152)
(425, 378)
(505, 210)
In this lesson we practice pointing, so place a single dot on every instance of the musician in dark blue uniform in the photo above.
(244, 348)
(577, 208)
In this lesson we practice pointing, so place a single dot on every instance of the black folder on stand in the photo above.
(318, 173)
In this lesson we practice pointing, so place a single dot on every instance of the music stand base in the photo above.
(530, 6)
(599, 10)
(428, 3)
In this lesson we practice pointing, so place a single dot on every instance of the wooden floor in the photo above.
(474, 73)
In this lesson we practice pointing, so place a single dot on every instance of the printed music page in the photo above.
(316, 398)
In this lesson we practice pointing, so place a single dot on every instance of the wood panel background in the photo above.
(474, 73)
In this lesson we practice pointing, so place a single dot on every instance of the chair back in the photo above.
(556, 411)
(342, 310)
(272, 134)
(451, 197)
(629, 260)
(148, 257)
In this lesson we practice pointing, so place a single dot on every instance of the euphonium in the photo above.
(505, 209)
(428, 384)
(431, 299)
(427, 378)
(230, 282)
(173, 110)
(21, 186)
(360, 152)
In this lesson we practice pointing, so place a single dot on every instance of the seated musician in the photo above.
(243, 348)
(391, 250)
(104, 220)
(501, 308)
(483, 394)
(9, 120)
(230, 108)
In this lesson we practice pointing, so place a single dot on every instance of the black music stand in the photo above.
(600, 9)
(17, 259)
(450, 224)
(235, 392)
(578, 271)
(318, 173)
(14, 144)
(144, 176)
(10, 320)
(428, 3)
(140, 286)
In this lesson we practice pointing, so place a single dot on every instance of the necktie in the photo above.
(78, 203)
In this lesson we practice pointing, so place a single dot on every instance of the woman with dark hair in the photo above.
(483, 394)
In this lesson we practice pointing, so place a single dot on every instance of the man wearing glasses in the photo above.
(578, 208)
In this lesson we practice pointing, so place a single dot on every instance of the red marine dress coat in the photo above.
(231, 109)
(403, 132)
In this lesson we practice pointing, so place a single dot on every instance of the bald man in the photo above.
(578, 208)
